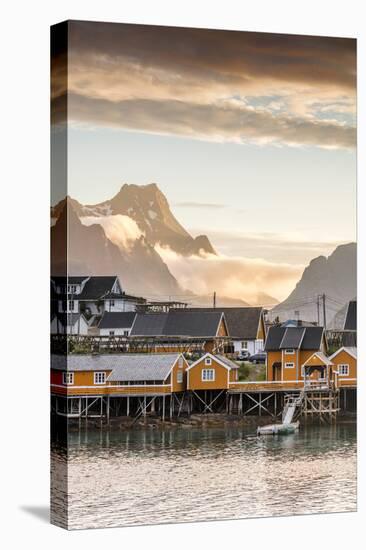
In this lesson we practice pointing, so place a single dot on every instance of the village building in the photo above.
(90, 296)
(69, 323)
(289, 349)
(115, 384)
(116, 323)
(208, 329)
(245, 325)
(208, 380)
(345, 361)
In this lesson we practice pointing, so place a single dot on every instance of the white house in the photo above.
(116, 323)
(69, 323)
(91, 296)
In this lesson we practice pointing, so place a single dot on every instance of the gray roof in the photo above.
(118, 319)
(242, 322)
(201, 324)
(292, 337)
(227, 362)
(351, 350)
(95, 287)
(144, 367)
(311, 340)
(125, 367)
(351, 316)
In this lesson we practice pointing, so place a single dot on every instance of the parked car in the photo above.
(243, 355)
(257, 358)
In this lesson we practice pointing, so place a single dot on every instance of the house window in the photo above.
(208, 375)
(99, 378)
(289, 351)
(125, 333)
(343, 370)
(244, 344)
(289, 365)
(180, 377)
(71, 289)
(71, 305)
(68, 378)
(111, 303)
(208, 361)
(111, 333)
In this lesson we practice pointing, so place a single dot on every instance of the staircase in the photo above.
(291, 404)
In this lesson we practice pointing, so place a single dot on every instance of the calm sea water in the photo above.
(147, 477)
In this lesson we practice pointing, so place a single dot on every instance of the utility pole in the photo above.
(324, 313)
(214, 299)
(318, 308)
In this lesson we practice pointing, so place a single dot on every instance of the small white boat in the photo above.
(278, 429)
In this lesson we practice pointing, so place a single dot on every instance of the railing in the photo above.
(346, 382)
(108, 389)
(267, 385)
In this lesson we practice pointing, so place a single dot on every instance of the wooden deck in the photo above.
(112, 390)
(265, 386)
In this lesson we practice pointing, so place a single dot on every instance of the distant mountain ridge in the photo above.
(149, 208)
(335, 276)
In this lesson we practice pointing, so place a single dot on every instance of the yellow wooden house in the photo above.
(294, 351)
(211, 372)
(345, 367)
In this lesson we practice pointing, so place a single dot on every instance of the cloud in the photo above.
(121, 230)
(218, 85)
(273, 247)
(234, 277)
(192, 204)
(223, 122)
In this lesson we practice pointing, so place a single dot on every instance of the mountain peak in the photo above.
(334, 276)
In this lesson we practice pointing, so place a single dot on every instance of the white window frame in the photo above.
(343, 365)
(70, 305)
(125, 333)
(289, 365)
(244, 344)
(68, 378)
(111, 303)
(179, 377)
(289, 351)
(111, 333)
(99, 378)
(208, 375)
(208, 361)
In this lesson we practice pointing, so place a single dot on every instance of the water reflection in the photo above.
(153, 476)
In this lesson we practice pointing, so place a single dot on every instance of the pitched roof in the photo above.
(228, 362)
(204, 324)
(351, 316)
(124, 367)
(143, 367)
(94, 288)
(118, 319)
(320, 357)
(242, 322)
(292, 337)
(306, 338)
(149, 324)
(348, 349)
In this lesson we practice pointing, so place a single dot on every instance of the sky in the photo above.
(250, 136)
